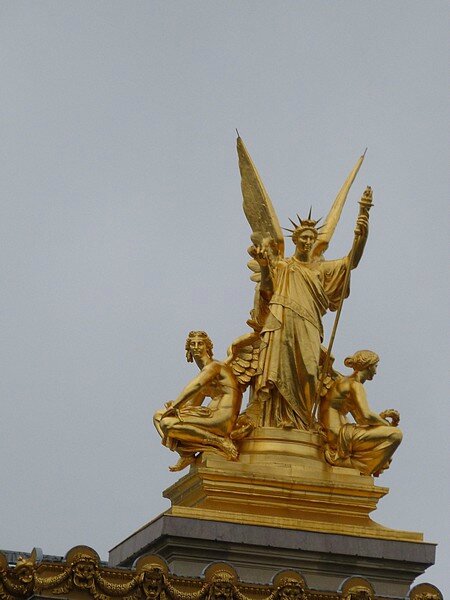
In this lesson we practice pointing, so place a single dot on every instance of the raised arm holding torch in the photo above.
(356, 252)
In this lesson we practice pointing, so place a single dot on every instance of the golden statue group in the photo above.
(290, 375)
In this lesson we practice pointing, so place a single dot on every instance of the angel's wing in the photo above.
(327, 229)
(242, 356)
(257, 205)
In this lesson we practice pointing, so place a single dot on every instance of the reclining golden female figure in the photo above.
(369, 443)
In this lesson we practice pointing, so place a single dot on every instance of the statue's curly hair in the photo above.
(361, 360)
(205, 337)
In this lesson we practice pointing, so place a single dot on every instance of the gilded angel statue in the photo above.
(188, 427)
(292, 295)
(369, 443)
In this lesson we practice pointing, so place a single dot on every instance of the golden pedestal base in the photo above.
(281, 480)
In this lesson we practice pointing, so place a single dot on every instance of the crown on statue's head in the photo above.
(302, 225)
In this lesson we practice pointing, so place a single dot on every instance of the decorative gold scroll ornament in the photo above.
(150, 579)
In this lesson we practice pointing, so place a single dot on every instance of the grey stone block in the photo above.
(258, 553)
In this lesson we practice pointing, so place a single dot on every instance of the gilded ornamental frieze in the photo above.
(82, 571)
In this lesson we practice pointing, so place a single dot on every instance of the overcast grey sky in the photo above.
(122, 229)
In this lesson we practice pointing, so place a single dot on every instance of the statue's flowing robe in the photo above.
(285, 386)
(368, 448)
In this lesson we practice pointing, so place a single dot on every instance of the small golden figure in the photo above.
(188, 427)
(369, 443)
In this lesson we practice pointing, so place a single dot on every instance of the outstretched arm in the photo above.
(195, 385)
(362, 228)
(261, 254)
(361, 234)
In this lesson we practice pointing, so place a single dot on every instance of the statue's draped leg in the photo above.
(285, 389)
(366, 448)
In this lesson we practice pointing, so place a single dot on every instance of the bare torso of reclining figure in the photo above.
(348, 395)
(189, 420)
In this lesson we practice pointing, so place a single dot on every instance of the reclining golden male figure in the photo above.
(186, 426)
